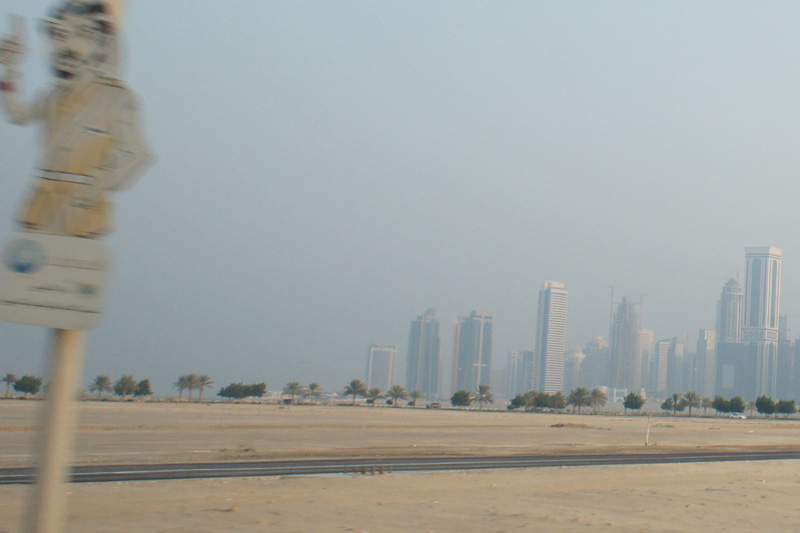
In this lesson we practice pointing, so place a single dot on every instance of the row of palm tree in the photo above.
(582, 397)
(691, 399)
(192, 382)
(294, 389)
(395, 393)
(123, 387)
(26, 384)
(463, 398)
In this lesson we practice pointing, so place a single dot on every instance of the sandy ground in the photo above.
(712, 497)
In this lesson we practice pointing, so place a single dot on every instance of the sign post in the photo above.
(46, 511)
(53, 271)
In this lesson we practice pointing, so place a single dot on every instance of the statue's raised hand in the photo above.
(12, 46)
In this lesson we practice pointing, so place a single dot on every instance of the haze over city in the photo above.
(328, 171)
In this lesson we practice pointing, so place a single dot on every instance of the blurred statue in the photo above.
(91, 143)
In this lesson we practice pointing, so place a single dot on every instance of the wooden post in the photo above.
(46, 509)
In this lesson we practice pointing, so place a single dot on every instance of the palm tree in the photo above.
(101, 384)
(293, 388)
(125, 385)
(578, 398)
(182, 384)
(675, 399)
(314, 390)
(484, 395)
(355, 388)
(397, 392)
(373, 395)
(203, 381)
(597, 399)
(9, 380)
(192, 383)
(692, 400)
(707, 402)
(416, 395)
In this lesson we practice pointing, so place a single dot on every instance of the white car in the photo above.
(739, 416)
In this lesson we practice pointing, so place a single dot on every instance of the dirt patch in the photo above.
(577, 426)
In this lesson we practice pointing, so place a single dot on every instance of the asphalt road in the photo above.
(106, 473)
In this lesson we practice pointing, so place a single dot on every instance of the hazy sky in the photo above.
(328, 170)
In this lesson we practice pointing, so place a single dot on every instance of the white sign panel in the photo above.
(53, 281)
(92, 146)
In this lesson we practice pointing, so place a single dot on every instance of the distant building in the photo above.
(735, 371)
(499, 384)
(595, 365)
(662, 364)
(551, 336)
(644, 349)
(381, 361)
(670, 369)
(625, 354)
(787, 364)
(786, 361)
(424, 362)
(676, 370)
(706, 363)
(472, 351)
(730, 313)
(513, 370)
(762, 298)
(783, 327)
(573, 369)
(733, 375)
(796, 372)
(519, 370)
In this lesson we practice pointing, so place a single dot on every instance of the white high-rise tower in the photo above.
(762, 299)
(551, 336)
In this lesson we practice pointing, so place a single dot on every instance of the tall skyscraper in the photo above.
(551, 336)
(730, 309)
(625, 355)
(472, 351)
(735, 374)
(762, 299)
(381, 361)
(422, 369)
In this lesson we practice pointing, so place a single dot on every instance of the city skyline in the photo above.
(367, 162)
(634, 361)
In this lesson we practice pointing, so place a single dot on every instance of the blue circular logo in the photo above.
(25, 257)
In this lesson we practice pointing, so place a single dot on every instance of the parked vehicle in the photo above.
(739, 416)
(433, 405)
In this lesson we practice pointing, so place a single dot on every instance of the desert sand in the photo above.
(757, 496)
